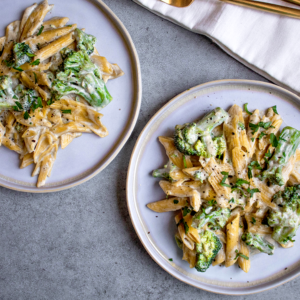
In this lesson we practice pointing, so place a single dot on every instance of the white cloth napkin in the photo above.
(265, 42)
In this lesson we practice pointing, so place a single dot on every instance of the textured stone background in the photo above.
(79, 243)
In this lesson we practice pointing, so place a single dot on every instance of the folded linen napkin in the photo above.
(265, 42)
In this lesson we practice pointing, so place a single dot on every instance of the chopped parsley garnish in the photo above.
(38, 104)
(241, 181)
(66, 111)
(175, 201)
(35, 78)
(222, 183)
(18, 69)
(26, 115)
(212, 202)
(30, 54)
(241, 255)
(264, 125)
(253, 164)
(184, 161)
(41, 30)
(246, 109)
(15, 97)
(49, 102)
(253, 221)
(185, 211)
(69, 25)
(19, 105)
(186, 227)
(273, 140)
(268, 154)
(252, 139)
(170, 259)
(262, 134)
(35, 62)
(252, 191)
(231, 200)
(275, 109)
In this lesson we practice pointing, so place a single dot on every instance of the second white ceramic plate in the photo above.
(87, 155)
(156, 231)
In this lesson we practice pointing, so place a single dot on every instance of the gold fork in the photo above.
(178, 3)
(269, 7)
(278, 9)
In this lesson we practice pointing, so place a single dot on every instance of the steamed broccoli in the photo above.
(178, 241)
(6, 92)
(165, 172)
(21, 54)
(220, 145)
(207, 250)
(216, 218)
(85, 41)
(288, 142)
(285, 219)
(80, 76)
(258, 242)
(196, 138)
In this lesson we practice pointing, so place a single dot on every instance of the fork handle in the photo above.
(288, 11)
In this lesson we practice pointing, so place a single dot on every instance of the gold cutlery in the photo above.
(179, 3)
(283, 10)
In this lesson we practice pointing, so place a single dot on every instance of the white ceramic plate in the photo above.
(156, 231)
(87, 155)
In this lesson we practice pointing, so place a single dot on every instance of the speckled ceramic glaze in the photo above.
(87, 155)
(156, 231)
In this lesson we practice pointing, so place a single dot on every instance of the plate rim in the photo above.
(137, 94)
(131, 167)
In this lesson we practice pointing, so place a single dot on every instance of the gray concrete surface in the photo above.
(79, 243)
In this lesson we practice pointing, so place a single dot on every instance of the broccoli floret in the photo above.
(196, 138)
(207, 250)
(285, 219)
(288, 142)
(200, 149)
(6, 86)
(21, 54)
(29, 99)
(178, 242)
(215, 217)
(258, 242)
(165, 172)
(220, 145)
(80, 76)
(85, 41)
(6, 93)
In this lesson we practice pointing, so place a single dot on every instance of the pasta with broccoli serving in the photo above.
(233, 180)
(52, 87)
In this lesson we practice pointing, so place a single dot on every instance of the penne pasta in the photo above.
(170, 204)
(243, 262)
(232, 233)
(48, 36)
(35, 19)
